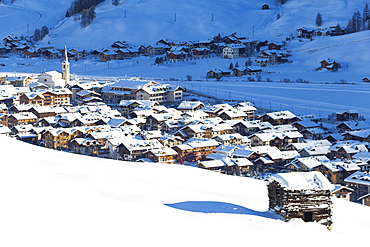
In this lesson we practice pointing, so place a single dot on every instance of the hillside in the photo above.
(52, 198)
(145, 22)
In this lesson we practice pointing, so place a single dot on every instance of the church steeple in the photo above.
(65, 67)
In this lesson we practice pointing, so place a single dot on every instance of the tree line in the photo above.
(39, 34)
(359, 22)
(83, 10)
(78, 6)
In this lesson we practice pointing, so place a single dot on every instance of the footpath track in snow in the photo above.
(27, 23)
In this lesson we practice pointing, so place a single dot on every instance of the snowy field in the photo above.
(52, 198)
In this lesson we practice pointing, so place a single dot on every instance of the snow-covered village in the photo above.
(130, 122)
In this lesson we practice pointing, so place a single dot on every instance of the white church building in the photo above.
(52, 79)
(55, 79)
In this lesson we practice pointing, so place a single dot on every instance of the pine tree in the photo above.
(357, 22)
(236, 64)
(87, 16)
(37, 35)
(366, 18)
(366, 13)
(231, 66)
(318, 19)
(350, 28)
(44, 31)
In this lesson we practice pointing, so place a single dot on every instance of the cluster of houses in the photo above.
(129, 120)
(229, 47)
(274, 54)
(308, 33)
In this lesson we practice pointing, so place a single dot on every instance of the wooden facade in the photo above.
(309, 203)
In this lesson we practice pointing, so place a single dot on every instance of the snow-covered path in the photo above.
(19, 19)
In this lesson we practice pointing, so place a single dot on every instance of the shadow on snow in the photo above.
(220, 207)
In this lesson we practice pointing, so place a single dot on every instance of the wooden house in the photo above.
(85, 146)
(275, 139)
(190, 106)
(21, 119)
(87, 96)
(109, 55)
(43, 111)
(195, 149)
(365, 79)
(360, 183)
(247, 128)
(232, 139)
(359, 135)
(233, 114)
(346, 150)
(56, 139)
(217, 73)
(162, 155)
(329, 64)
(274, 46)
(156, 49)
(176, 55)
(203, 130)
(347, 126)
(200, 52)
(304, 33)
(342, 192)
(51, 54)
(240, 71)
(226, 165)
(346, 116)
(365, 200)
(280, 117)
(119, 44)
(134, 149)
(302, 195)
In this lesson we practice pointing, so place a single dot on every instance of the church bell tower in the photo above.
(66, 67)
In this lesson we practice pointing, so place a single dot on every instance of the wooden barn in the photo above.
(302, 195)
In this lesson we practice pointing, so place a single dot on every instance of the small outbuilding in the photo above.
(265, 6)
(302, 195)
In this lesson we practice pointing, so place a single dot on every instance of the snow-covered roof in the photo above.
(302, 181)
(281, 115)
(189, 105)
(359, 177)
(163, 152)
(196, 143)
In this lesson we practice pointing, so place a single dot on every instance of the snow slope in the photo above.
(52, 198)
(145, 22)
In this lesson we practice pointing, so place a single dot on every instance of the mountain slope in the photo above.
(147, 21)
(51, 198)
